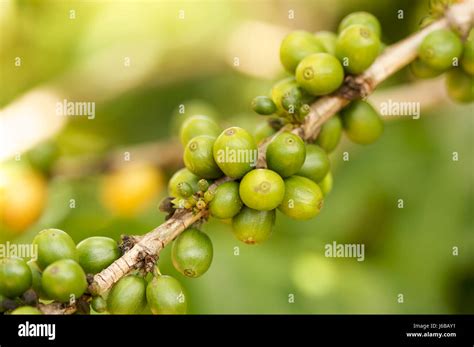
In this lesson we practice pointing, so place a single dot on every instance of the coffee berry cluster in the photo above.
(61, 271)
(225, 178)
(295, 175)
(318, 64)
(443, 51)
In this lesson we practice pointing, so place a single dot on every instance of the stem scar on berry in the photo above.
(193, 146)
(364, 32)
(263, 187)
(230, 131)
(308, 73)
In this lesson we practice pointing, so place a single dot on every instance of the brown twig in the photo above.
(151, 244)
(57, 308)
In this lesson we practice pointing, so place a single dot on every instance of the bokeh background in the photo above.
(140, 60)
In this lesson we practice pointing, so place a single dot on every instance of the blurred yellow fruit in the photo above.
(23, 194)
(131, 189)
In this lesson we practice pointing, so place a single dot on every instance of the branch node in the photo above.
(57, 308)
(276, 123)
(82, 305)
(30, 298)
(150, 261)
(167, 206)
(356, 87)
(128, 242)
(90, 279)
(94, 288)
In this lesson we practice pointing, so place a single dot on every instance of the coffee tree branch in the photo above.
(395, 57)
(145, 251)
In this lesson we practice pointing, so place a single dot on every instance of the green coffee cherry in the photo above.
(291, 102)
(330, 134)
(226, 202)
(188, 109)
(63, 280)
(203, 185)
(192, 253)
(196, 126)
(460, 86)
(326, 184)
(439, 49)
(421, 70)
(53, 245)
(235, 152)
(316, 164)
(252, 226)
(98, 304)
(361, 18)
(185, 204)
(263, 105)
(128, 296)
(201, 204)
(36, 278)
(183, 175)
(361, 122)
(96, 253)
(303, 198)
(165, 295)
(262, 131)
(305, 110)
(285, 154)
(281, 92)
(15, 277)
(327, 40)
(208, 196)
(356, 48)
(297, 45)
(179, 203)
(319, 74)
(192, 200)
(467, 61)
(185, 190)
(198, 157)
(26, 310)
(262, 189)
